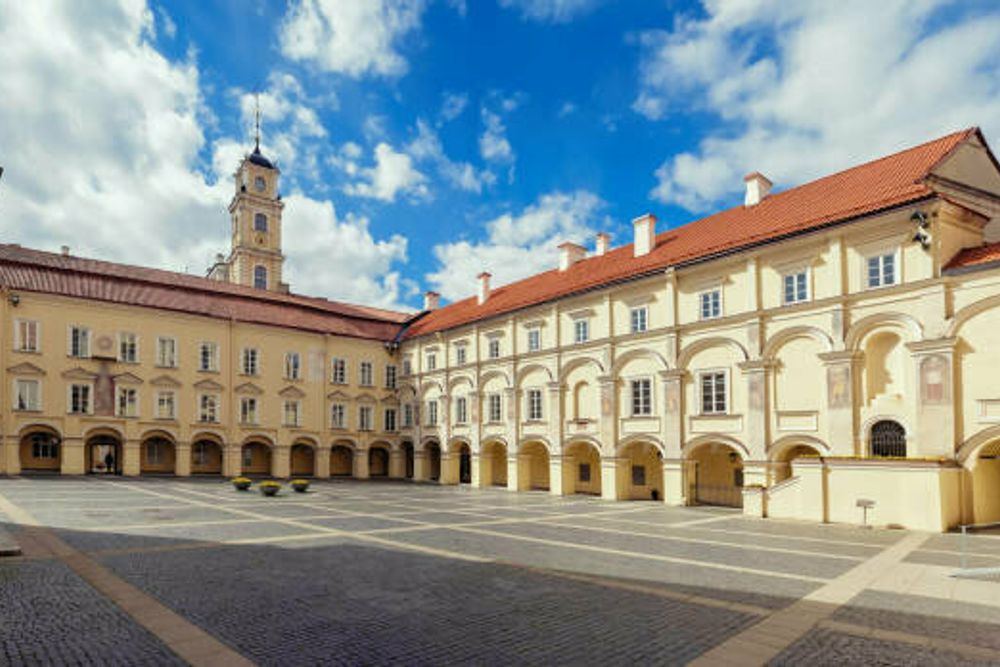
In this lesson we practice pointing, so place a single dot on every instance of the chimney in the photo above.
(484, 286)
(64, 250)
(602, 244)
(569, 254)
(758, 186)
(431, 300)
(645, 234)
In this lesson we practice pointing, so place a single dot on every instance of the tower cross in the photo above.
(256, 114)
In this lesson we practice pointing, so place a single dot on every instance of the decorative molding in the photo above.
(249, 388)
(127, 378)
(338, 396)
(26, 368)
(208, 385)
(292, 391)
(165, 381)
(79, 374)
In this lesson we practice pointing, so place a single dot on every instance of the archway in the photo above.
(206, 457)
(493, 464)
(533, 466)
(256, 459)
(303, 463)
(341, 461)
(433, 461)
(157, 456)
(459, 467)
(887, 439)
(986, 484)
(643, 473)
(782, 460)
(716, 476)
(103, 454)
(378, 461)
(582, 469)
(408, 460)
(41, 451)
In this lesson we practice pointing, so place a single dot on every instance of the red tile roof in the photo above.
(874, 186)
(973, 257)
(28, 270)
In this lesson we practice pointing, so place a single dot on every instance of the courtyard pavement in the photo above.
(172, 571)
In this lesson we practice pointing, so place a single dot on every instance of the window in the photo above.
(713, 393)
(259, 222)
(390, 377)
(28, 395)
(260, 277)
(493, 404)
(79, 399)
(250, 361)
(534, 340)
(292, 414)
(26, 336)
(44, 446)
(389, 419)
(407, 367)
(79, 342)
(534, 404)
(365, 418)
(584, 472)
(407, 415)
(128, 348)
(795, 287)
(881, 270)
(165, 405)
(461, 410)
(208, 408)
(199, 453)
(432, 413)
(166, 352)
(337, 414)
(208, 357)
(127, 401)
(581, 331)
(460, 355)
(640, 319)
(338, 371)
(710, 304)
(642, 397)
(247, 456)
(366, 374)
(292, 365)
(432, 361)
(494, 348)
(888, 439)
(155, 452)
(248, 410)
(638, 475)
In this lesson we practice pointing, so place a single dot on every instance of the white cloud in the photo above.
(453, 106)
(392, 174)
(551, 11)
(567, 109)
(493, 143)
(352, 37)
(806, 88)
(518, 245)
(427, 147)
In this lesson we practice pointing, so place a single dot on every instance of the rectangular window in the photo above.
(338, 371)
(639, 318)
(128, 348)
(165, 405)
(208, 408)
(407, 415)
(44, 448)
(461, 410)
(155, 452)
(407, 367)
(584, 472)
(713, 393)
(638, 475)
(166, 352)
(26, 336)
(337, 415)
(642, 397)
(581, 331)
(882, 270)
(292, 414)
(247, 457)
(795, 287)
(365, 418)
(250, 361)
(248, 410)
(208, 357)
(79, 342)
(28, 395)
(534, 340)
(432, 413)
(494, 348)
(366, 379)
(460, 355)
(390, 377)
(493, 403)
(710, 304)
(128, 399)
(293, 366)
(199, 453)
(432, 361)
(534, 404)
(390, 419)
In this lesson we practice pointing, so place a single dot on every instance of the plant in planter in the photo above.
(269, 487)
(242, 483)
(300, 485)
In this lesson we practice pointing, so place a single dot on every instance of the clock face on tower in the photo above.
(260, 183)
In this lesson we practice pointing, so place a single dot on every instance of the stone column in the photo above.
(555, 474)
(421, 466)
(476, 471)
(841, 389)
(232, 461)
(12, 456)
(555, 414)
(131, 463)
(397, 463)
(756, 373)
(512, 472)
(673, 482)
(449, 468)
(935, 417)
(74, 460)
(281, 461)
(608, 427)
(361, 463)
(512, 426)
(182, 459)
(611, 478)
(321, 464)
(672, 429)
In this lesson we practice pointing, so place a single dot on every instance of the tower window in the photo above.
(259, 222)
(260, 277)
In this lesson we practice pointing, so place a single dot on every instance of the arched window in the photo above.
(259, 222)
(888, 438)
(260, 277)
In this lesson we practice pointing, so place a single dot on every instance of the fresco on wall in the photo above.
(838, 386)
(935, 387)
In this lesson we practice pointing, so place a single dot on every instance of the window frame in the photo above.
(338, 370)
(493, 348)
(498, 398)
(634, 324)
(161, 362)
(534, 404)
(716, 307)
(89, 398)
(258, 271)
(134, 347)
(881, 254)
(296, 412)
(20, 336)
(534, 339)
(18, 383)
(726, 398)
(212, 348)
(461, 355)
(208, 404)
(432, 412)
(641, 405)
(366, 418)
(160, 396)
(389, 425)
(130, 408)
(366, 374)
(795, 273)
(431, 360)
(581, 326)
(249, 411)
(391, 376)
(461, 410)
(293, 366)
(250, 361)
(84, 351)
(338, 409)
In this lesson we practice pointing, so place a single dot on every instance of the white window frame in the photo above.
(166, 358)
(715, 309)
(431, 361)
(534, 339)
(407, 415)
(293, 366)
(461, 354)
(432, 412)
(391, 376)
(639, 319)
(461, 410)
(78, 341)
(33, 403)
(880, 255)
(794, 275)
(250, 361)
(389, 420)
(166, 398)
(248, 410)
(494, 404)
(493, 348)
(292, 408)
(338, 370)
(338, 415)
(366, 374)
(128, 341)
(641, 405)
(715, 409)
(127, 402)
(208, 350)
(30, 338)
(581, 331)
(208, 408)
(534, 405)
(365, 421)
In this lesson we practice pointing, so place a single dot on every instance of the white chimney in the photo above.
(64, 250)
(431, 300)
(645, 234)
(569, 254)
(602, 244)
(484, 286)
(758, 186)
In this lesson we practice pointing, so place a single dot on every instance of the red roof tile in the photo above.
(971, 257)
(890, 181)
(30, 270)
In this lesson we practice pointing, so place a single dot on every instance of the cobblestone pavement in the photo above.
(376, 573)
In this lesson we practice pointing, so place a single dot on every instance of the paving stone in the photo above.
(824, 647)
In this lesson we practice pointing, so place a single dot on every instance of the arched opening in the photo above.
(986, 484)
(256, 459)
(887, 439)
(103, 454)
(533, 467)
(781, 464)
(206, 457)
(643, 474)
(408, 460)
(303, 462)
(433, 461)
(582, 469)
(260, 277)
(378, 461)
(716, 476)
(157, 456)
(341, 461)
(459, 465)
(493, 464)
(41, 451)
(885, 359)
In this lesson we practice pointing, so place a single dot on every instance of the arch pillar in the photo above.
(608, 425)
(131, 462)
(512, 465)
(182, 462)
(281, 461)
(397, 463)
(421, 466)
(934, 427)
(321, 462)
(476, 470)
(757, 374)
(672, 431)
(74, 460)
(361, 463)
(841, 392)
(232, 460)
(613, 480)
(11, 457)
(449, 468)
(556, 474)
(674, 492)
(554, 415)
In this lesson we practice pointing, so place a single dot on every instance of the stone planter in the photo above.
(269, 488)
(242, 484)
(300, 485)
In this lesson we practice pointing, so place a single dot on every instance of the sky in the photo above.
(424, 141)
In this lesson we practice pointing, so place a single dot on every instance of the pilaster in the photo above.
(281, 461)
(421, 466)
(611, 484)
(182, 459)
(608, 426)
(361, 463)
(756, 427)
(397, 464)
(512, 473)
(556, 475)
(672, 434)
(131, 463)
(935, 419)
(841, 390)
(321, 463)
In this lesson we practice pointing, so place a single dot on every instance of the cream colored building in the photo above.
(832, 343)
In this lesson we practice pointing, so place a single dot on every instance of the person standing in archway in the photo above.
(109, 462)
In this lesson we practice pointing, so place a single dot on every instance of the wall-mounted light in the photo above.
(923, 233)
(14, 299)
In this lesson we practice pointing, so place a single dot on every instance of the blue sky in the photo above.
(422, 141)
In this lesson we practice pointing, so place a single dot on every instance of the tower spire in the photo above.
(256, 114)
